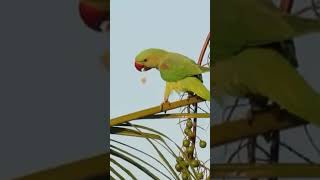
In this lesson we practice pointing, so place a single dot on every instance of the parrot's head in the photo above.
(148, 59)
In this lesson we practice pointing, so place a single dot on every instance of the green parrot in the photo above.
(247, 64)
(180, 72)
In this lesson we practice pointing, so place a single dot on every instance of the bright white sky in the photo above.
(179, 26)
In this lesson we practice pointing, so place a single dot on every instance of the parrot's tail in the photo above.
(194, 85)
(302, 25)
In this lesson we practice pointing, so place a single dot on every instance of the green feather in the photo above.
(174, 67)
(265, 72)
(189, 84)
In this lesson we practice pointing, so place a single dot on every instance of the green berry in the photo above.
(189, 124)
(187, 131)
(195, 163)
(184, 164)
(185, 175)
(203, 143)
(190, 149)
(186, 143)
(179, 159)
(200, 175)
(178, 167)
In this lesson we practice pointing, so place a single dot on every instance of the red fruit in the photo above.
(95, 13)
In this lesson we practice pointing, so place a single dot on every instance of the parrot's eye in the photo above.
(145, 60)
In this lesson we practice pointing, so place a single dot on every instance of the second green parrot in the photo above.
(180, 72)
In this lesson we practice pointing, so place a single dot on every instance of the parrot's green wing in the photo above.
(265, 72)
(246, 23)
(175, 67)
(191, 84)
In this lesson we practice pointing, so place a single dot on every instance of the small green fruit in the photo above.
(195, 163)
(185, 175)
(186, 143)
(203, 143)
(190, 149)
(179, 159)
(187, 131)
(184, 164)
(200, 175)
(189, 124)
(178, 167)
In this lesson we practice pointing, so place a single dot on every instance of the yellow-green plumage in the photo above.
(191, 84)
(265, 72)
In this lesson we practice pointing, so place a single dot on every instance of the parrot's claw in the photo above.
(162, 104)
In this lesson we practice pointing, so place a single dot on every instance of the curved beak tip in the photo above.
(138, 66)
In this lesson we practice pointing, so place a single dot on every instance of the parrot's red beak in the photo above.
(141, 67)
(138, 66)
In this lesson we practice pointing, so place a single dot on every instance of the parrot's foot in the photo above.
(166, 102)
